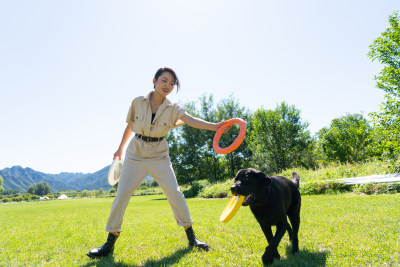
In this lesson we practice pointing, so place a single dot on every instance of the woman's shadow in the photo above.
(168, 260)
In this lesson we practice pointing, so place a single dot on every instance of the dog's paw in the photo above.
(295, 250)
(269, 256)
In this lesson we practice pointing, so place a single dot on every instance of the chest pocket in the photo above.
(162, 122)
(161, 126)
(139, 118)
(138, 123)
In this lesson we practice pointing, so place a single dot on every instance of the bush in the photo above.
(4, 200)
(143, 187)
(26, 197)
(393, 188)
(376, 188)
(17, 199)
(218, 190)
(324, 187)
(195, 188)
(33, 197)
(148, 191)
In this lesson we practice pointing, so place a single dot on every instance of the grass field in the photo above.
(335, 230)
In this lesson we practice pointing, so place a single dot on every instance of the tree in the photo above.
(347, 139)
(100, 192)
(239, 158)
(39, 189)
(386, 49)
(191, 149)
(187, 147)
(280, 140)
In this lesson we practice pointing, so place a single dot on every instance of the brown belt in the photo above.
(149, 139)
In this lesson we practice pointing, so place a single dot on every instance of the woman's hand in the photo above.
(125, 137)
(118, 154)
(219, 124)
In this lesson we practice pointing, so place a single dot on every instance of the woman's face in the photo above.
(165, 84)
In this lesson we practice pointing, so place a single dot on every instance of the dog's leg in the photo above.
(294, 218)
(271, 252)
(267, 232)
(289, 230)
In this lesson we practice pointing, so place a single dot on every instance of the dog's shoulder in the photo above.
(283, 181)
(280, 179)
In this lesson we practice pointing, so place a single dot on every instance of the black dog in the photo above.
(271, 199)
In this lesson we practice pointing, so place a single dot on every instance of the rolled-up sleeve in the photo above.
(131, 114)
(179, 112)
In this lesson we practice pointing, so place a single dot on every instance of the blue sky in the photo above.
(69, 69)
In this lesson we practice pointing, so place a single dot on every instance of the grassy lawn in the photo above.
(336, 230)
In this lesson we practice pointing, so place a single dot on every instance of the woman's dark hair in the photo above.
(166, 69)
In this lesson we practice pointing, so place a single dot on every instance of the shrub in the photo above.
(143, 187)
(33, 197)
(148, 191)
(4, 200)
(195, 188)
(218, 190)
(324, 187)
(393, 188)
(17, 199)
(376, 188)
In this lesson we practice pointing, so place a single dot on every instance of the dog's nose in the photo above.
(234, 190)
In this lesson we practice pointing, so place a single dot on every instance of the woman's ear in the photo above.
(154, 81)
(263, 181)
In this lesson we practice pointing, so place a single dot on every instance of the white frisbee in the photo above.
(115, 171)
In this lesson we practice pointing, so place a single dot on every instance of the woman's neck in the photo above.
(155, 101)
(157, 98)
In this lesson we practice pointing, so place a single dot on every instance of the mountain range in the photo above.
(20, 179)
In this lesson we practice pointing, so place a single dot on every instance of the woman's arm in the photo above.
(125, 137)
(199, 123)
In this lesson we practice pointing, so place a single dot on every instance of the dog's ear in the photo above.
(263, 180)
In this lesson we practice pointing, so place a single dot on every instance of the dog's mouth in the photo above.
(249, 199)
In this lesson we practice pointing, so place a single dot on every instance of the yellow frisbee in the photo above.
(230, 210)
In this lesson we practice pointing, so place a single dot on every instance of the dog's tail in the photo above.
(296, 179)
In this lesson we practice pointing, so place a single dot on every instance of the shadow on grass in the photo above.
(302, 258)
(168, 260)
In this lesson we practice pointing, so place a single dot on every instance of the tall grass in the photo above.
(335, 230)
(340, 171)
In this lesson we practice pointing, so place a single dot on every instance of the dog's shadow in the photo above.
(168, 260)
(302, 258)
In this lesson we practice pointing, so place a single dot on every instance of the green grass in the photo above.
(335, 230)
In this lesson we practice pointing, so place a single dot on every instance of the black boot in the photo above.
(193, 241)
(104, 250)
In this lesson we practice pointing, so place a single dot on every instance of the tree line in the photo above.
(278, 139)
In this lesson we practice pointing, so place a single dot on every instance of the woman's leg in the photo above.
(163, 173)
(132, 175)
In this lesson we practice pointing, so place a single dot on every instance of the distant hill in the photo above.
(20, 179)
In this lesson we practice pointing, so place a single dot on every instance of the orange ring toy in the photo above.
(237, 141)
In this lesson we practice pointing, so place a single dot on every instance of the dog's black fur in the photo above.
(271, 199)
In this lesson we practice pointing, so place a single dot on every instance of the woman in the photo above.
(151, 118)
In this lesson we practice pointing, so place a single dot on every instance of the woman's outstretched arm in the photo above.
(125, 137)
(199, 123)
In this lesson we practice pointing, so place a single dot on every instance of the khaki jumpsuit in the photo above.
(152, 158)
